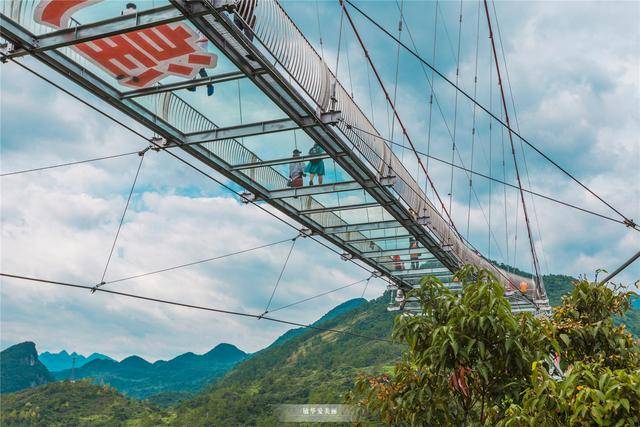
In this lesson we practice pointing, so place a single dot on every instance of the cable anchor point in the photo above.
(95, 288)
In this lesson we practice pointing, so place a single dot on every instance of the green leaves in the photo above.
(472, 361)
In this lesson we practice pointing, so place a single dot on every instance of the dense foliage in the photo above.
(470, 361)
(77, 404)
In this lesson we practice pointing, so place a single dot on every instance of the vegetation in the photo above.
(311, 367)
(79, 404)
(470, 361)
(20, 368)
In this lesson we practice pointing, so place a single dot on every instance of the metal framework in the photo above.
(274, 56)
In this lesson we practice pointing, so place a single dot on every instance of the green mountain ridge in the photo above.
(136, 377)
(63, 360)
(311, 367)
(20, 368)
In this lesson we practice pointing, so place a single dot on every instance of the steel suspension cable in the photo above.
(124, 213)
(490, 150)
(515, 161)
(455, 108)
(176, 267)
(473, 129)
(432, 84)
(630, 223)
(395, 85)
(451, 135)
(193, 306)
(115, 156)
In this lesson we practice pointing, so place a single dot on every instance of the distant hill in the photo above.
(139, 378)
(63, 360)
(311, 367)
(20, 368)
(76, 404)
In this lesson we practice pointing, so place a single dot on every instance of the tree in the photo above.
(467, 352)
(471, 361)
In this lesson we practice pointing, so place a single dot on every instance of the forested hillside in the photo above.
(79, 403)
(312, 367)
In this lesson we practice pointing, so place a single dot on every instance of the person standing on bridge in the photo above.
(296, 170)
(413, 244)
(203, 43)
(315, 167)
(130, 9)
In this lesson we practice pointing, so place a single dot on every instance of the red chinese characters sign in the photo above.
(138, 58)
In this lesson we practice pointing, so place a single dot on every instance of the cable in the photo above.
(493, 179)
(124, 212)
(123, 279)
(318, 296)
(195, 307)
(473, 129)
(69, 164)
(455, 109)
(628, 221)
(284, 267)
(622, 267)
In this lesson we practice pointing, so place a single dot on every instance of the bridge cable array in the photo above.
(446, 162)
(630, 223)
(390, 102)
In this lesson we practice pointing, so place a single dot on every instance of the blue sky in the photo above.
(574, 69)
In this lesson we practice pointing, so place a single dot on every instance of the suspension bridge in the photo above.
(382, 210)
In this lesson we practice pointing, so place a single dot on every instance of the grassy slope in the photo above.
(77, 404)
(314, 367)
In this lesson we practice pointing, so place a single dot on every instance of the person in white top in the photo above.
(296, 170)
(202, 42)
(130, 9)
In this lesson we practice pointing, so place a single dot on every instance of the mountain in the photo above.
(60, 361)
(20, 368)
(180, 377)
(79, 403)
(311, 367)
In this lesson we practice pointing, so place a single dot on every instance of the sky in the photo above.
(574, 72)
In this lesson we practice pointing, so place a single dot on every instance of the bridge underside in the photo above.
(369, 205)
